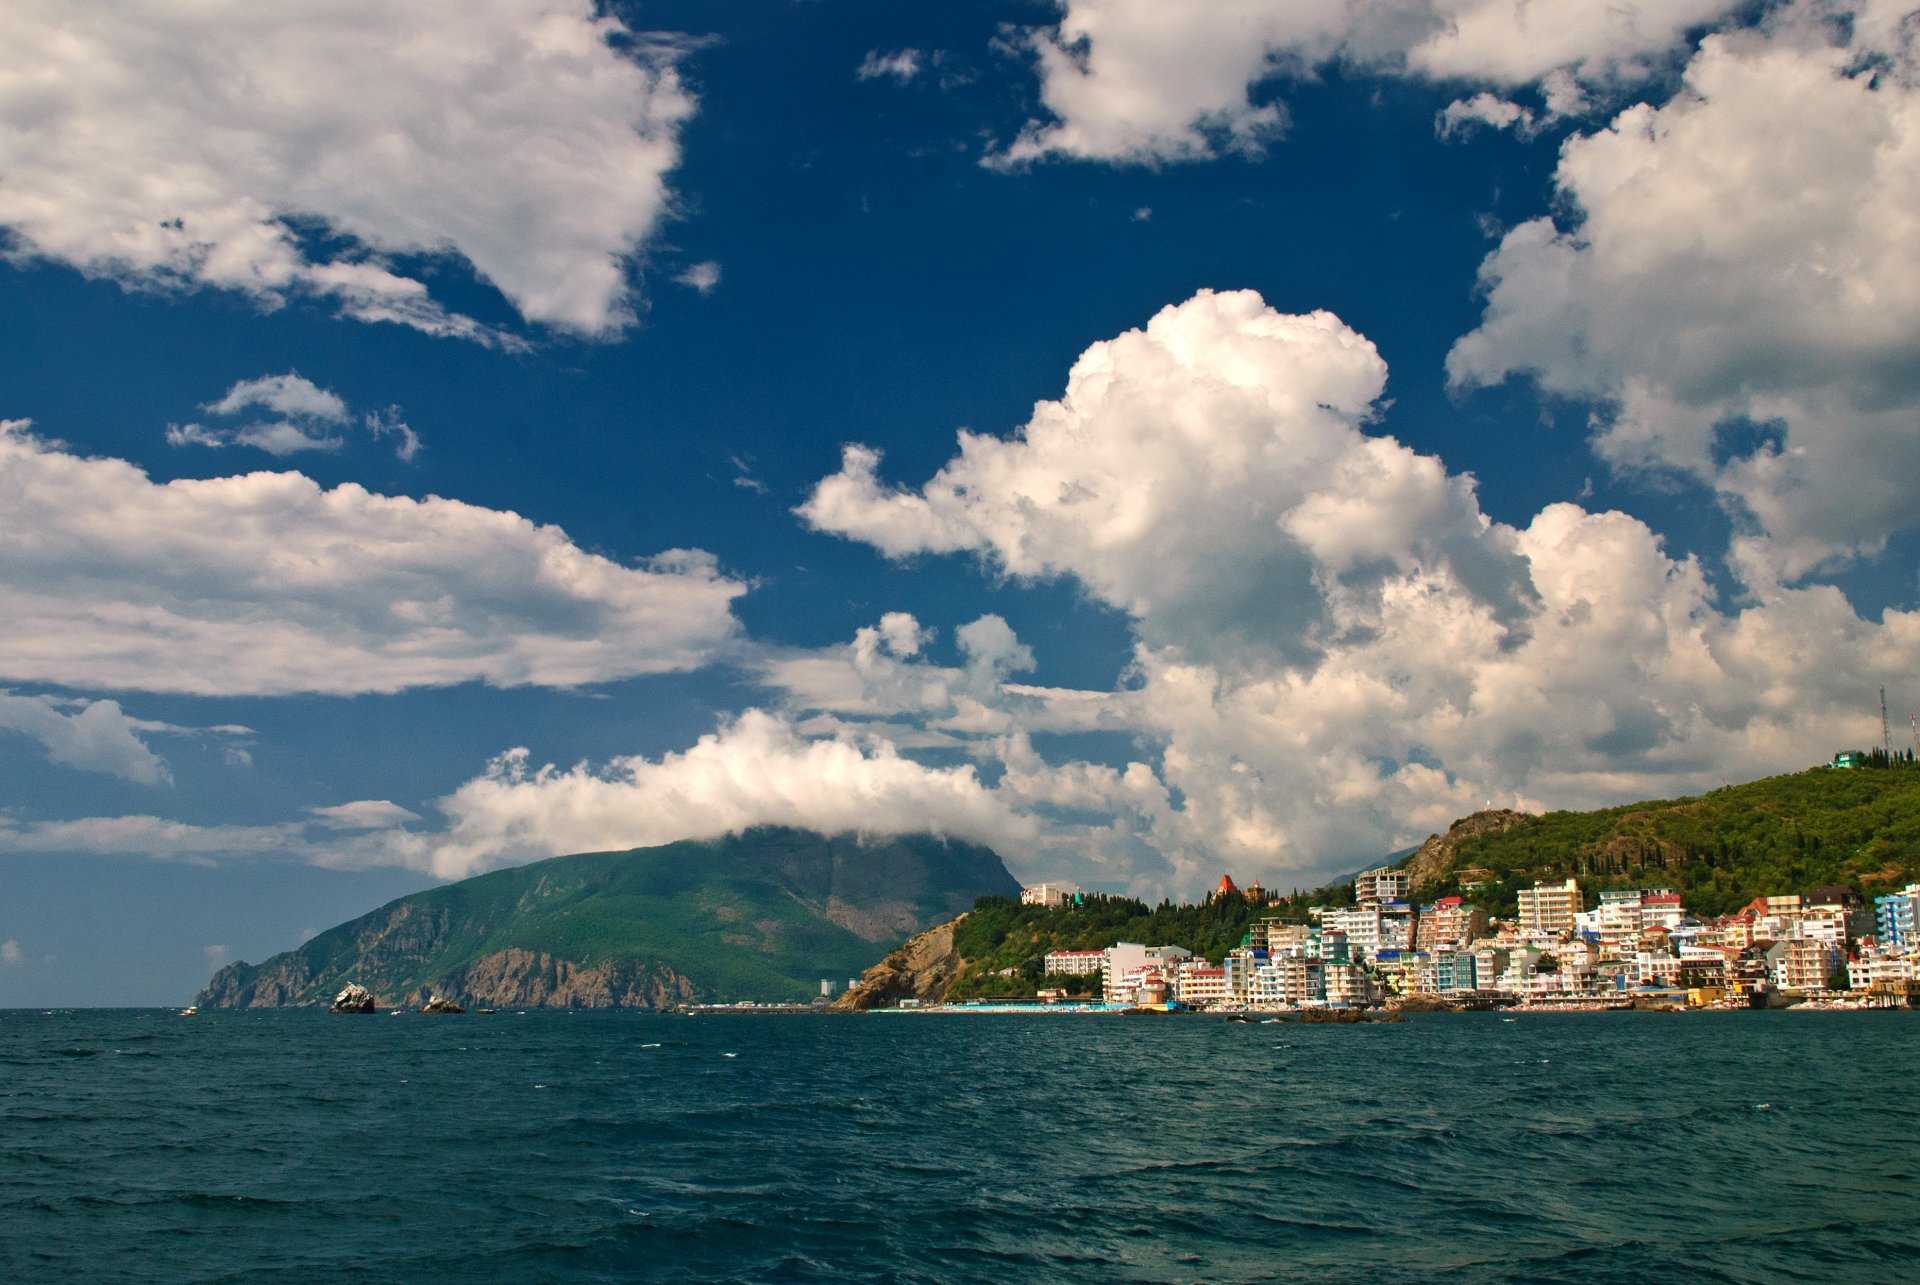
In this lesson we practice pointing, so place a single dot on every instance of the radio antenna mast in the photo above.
(1886, 737)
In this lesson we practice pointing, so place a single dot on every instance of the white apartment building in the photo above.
(1125, 960)
(1348, 986)
(1384, 884)
(1372, 928)
(1049, 894)
(1074, 963)
(1288, 982)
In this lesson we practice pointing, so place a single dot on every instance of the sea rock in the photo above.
(353, 998)
(922, 970)
(441, 1004)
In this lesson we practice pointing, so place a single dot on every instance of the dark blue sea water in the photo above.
(293, 1146)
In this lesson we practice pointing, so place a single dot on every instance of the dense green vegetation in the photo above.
(764, 915)
(1859, 827)
(1005, 943)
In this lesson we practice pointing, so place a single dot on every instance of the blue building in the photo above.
(1453, 971)
(1896, 918)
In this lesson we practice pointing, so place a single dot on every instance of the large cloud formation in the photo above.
(1337, 650)
(1144, 81)
(197, 145)
(1739, 282)
(265, 584)
(754, 770)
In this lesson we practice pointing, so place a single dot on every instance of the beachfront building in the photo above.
(1128, 961)
(1287, 982)
(1896, 918)
(1074, 963)
(1198, 984)
(1652, 969)
(1348, 986)
(1051, 895)
(1547, 909)
(1453, 972)
(1239, 966)
(1805, 964)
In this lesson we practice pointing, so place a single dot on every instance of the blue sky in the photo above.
(1153, 439)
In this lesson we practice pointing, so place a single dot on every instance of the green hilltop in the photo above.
(763, 915)
(1858, 827)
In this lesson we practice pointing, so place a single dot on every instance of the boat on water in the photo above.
(190, 1011)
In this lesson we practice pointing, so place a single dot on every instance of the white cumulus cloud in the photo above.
(1463, 116)
(1337, 652)
(901, 65)
(97, 737)
(196, 145)
(264, 583)
(755, 770)
(1740, 284)
(1147, 82)
(298, 416)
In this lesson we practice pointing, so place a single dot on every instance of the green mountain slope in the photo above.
(1785, 834)
(761, 915)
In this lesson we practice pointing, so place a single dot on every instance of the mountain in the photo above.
(1858, 827)
(762, 915)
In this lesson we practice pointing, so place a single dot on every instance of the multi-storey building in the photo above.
(1288, 982)
(1896, 918)
(1359, 924)
(1547, 909)
(1074, 963)
(1278, 937)
(1660, 908)
(1384, 884)
(1126, 961)
(1348, 986)
(1454, 972)
(1805, 964)
(1449, 921)
(1198, 984)
(1049, 894)
(1239, 966)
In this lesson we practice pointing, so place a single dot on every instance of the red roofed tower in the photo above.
(1227, 887)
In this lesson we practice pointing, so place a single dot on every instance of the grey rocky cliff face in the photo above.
(1430, 863)
(515, 978)
(921, 970)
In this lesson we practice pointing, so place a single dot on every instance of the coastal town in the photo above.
(1824, 948)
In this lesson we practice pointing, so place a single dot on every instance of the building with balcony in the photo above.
(1547, 909)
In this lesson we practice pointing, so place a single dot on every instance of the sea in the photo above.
(554, 1146)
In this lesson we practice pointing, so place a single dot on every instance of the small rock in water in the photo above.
(353, 998)
(441, 1004)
